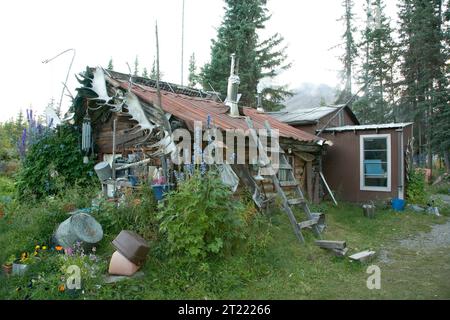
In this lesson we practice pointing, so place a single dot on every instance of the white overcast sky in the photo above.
(32, 31)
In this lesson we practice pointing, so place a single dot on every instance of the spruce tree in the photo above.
(441, 114)
(110, 64)
(193, 76)
(351, 51)
(424, 82)
(145, 73)
(376, 75)
(257, 59)
(153, 72)
(136, 67)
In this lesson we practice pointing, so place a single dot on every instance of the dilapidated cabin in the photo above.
(142, 121)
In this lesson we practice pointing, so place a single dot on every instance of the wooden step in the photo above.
(288, 184)
(284, 166)
(307, 224)
(294, 202)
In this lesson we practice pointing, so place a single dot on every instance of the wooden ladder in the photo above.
(298, 200)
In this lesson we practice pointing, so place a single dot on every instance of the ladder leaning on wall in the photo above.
(298, 199)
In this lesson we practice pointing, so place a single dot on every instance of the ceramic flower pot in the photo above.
(19, 269)
(7, 268)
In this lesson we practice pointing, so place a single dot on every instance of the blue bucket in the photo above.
(398, 204)
(159, 190)
(133, 180)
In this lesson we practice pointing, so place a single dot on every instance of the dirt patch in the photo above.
(439, 237)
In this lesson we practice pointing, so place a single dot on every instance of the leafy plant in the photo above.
(137, 213)
(91, 266)
(52, 163)
(416, 187)
(201, 218)
(12, 258)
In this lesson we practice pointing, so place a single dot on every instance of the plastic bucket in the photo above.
(103, 170)
(398, 204)
(80, 227)
(159, 190)
(133, 180)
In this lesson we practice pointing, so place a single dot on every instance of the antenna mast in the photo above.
(182, 45)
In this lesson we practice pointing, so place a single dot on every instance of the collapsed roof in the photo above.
(190, 105)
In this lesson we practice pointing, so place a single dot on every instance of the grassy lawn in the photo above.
(270, 265)
(6, 186)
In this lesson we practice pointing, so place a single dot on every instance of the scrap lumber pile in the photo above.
(339, 248)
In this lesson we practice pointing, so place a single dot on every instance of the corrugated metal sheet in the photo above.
(370, 127)
(309, 115)
(190, 109)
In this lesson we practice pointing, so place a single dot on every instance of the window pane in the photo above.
(375, 144)
(376, 155)
(375, 168)
(376, 182)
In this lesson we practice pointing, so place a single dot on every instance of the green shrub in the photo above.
(137, 212)
(201, 218)
(416, 188)
(6, 186)
(53, 163)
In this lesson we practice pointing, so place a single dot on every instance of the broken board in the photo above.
(363, 256)
(340, 252)
(339, 245)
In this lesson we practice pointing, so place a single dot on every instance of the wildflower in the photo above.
(94, 249)
(37, 247)
(61, 288)
(35, 253)
(24, 256)
(69, 251)
(44, 248)
(58, 248)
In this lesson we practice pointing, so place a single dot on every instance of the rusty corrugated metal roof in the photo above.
(191, 109)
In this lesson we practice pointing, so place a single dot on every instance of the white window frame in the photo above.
(362, 185)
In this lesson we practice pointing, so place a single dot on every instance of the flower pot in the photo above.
(19, 269)
(7, 268)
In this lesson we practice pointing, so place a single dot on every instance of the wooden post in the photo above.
(316, 188)
(309, 180)
(113, 165)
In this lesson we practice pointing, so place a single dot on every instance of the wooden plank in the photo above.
(288, 184)
(309, 180)
(307, 224)
(341, 245)
(294, 202)
(340, 253)
(285, 166)
(363, 256)
(328, 188)
(316, 196)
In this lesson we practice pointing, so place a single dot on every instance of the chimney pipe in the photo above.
(259, 105)
(233, 86)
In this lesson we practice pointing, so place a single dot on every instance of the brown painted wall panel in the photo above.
(342, 165)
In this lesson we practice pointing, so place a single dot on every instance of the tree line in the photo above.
(402, 70)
